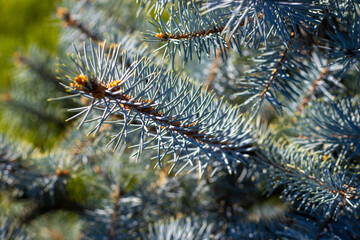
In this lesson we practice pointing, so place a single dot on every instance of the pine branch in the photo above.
(314, 181)
(326, 224)
(197, 34)
(174, 106)
(342, 41)
(132, 96)
(279, 71)
(214, 68)
(276, 17)
(335, 125)
(203, 33)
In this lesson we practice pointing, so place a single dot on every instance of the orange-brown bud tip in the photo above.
(97, 169)
(161, 35)
(62, 173)
(113, 45)
(80, 81)
(61, 12)
(191, 124)
(114, 84)
(324, 70)
(58, 172)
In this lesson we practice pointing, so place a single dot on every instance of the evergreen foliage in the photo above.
(257, 139)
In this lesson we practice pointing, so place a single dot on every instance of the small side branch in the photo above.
(178, 36)
(69, 20)
(345, 193)
(8, 99)
(39, 69)
(274, 73)
(202, 33)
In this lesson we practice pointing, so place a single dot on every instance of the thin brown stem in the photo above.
(215, 66)
(210, 79)
(312, 90)
(70, 21)
(276, 69)
(202, 33)
(274, 73)
(178, 36)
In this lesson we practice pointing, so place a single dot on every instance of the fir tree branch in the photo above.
(128, 96)
(178, 36)
(342, 41)
(275, 71)
(346, 193)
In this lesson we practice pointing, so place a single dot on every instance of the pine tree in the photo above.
(217, 119)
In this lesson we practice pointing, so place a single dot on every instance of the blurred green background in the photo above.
(25, 22)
